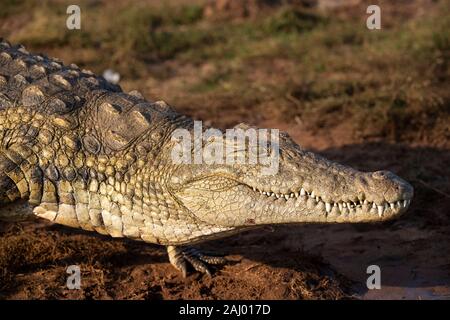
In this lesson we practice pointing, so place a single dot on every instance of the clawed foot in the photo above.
(179, 257)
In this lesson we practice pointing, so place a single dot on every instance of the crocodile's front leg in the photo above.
(181, 256)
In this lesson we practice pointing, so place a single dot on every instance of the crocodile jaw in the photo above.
(238, 205)
(306, 187)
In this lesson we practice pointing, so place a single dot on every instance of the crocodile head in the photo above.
(305, 188)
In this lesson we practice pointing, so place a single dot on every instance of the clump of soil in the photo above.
(34, 258)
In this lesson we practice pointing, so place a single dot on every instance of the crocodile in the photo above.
(84, 154)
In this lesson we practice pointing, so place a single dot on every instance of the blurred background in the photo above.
(374, 99)
(311, 63)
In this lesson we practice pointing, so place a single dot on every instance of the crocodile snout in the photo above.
(395, 187)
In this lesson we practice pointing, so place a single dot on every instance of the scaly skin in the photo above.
(89, 156)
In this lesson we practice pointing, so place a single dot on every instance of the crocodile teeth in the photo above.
(342, 207)
(380, 211)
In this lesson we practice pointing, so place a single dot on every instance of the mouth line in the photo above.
(341, 206)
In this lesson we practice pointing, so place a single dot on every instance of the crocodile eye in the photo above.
(380, 174)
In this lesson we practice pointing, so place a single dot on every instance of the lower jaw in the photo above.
(306, 208)
(316, 215)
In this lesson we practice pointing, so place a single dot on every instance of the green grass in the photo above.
(291, 20)
(13, 7)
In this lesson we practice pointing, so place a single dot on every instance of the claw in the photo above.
(179, 256)
(198, 264)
